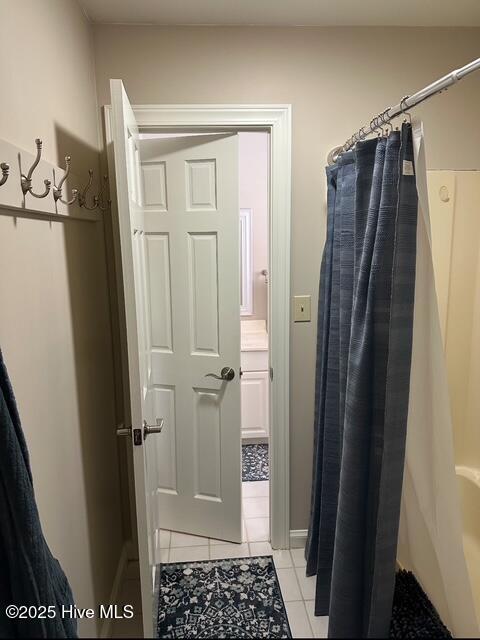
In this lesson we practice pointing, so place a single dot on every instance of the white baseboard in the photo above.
(106, 629)
(298, 538)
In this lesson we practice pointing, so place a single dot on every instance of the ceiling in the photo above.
(459, 13)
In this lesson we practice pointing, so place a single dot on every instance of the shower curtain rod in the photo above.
(405, 103)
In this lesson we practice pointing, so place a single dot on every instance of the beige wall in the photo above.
(253, 151)
(336, 79)
(54, 326)
(48, 81)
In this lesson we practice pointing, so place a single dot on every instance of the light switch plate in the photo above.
(302, 309)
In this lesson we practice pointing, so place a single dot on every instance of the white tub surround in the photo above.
(430, 536)
(469, 488)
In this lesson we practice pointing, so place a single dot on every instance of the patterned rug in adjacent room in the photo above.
(238, 598)
(255, 462)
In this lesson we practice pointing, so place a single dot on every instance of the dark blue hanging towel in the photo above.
(29, 574)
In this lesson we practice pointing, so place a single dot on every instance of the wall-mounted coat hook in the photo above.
(5, 170)
(27, 179)
(103, 202)
(57, 190)
(82, 196)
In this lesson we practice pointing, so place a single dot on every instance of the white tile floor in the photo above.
(298, 591)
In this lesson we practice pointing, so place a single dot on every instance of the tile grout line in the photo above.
(301, 593)
(308, 618)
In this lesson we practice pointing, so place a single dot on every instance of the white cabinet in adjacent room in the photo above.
(255, 404)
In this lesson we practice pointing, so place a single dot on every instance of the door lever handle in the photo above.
(147, 428)
(152, 428)
(227, 373)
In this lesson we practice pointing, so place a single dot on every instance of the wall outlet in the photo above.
(302, 309)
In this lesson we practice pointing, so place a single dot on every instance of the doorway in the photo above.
(254, 150)
(124, 123)
(189, 182)
(276, 121)
(193, 530)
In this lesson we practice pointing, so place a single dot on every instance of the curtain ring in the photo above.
(381, 117)
(378, 125)
(363, 133)
(385, 122)
(404, 108)
(388, 120)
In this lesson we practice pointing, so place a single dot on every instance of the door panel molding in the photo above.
(276, 119)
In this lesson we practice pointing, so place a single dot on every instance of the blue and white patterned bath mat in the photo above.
(238, 598)
(255, 462)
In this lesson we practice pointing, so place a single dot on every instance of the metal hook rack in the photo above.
(103, 203)
(86, 200)
(82, 196)
(57, 190)
(26, 180)
(5, 172)
(98, 201)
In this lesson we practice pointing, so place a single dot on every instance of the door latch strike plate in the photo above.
(137, 437)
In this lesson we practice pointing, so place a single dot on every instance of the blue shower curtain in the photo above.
(364, 341)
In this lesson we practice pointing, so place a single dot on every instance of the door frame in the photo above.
(276, 120)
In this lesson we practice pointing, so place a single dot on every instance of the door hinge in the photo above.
(271, 373)
(122, 430)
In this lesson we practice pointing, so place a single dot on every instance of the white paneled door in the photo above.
(179, 239)
(191, 238)
(126, 162)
